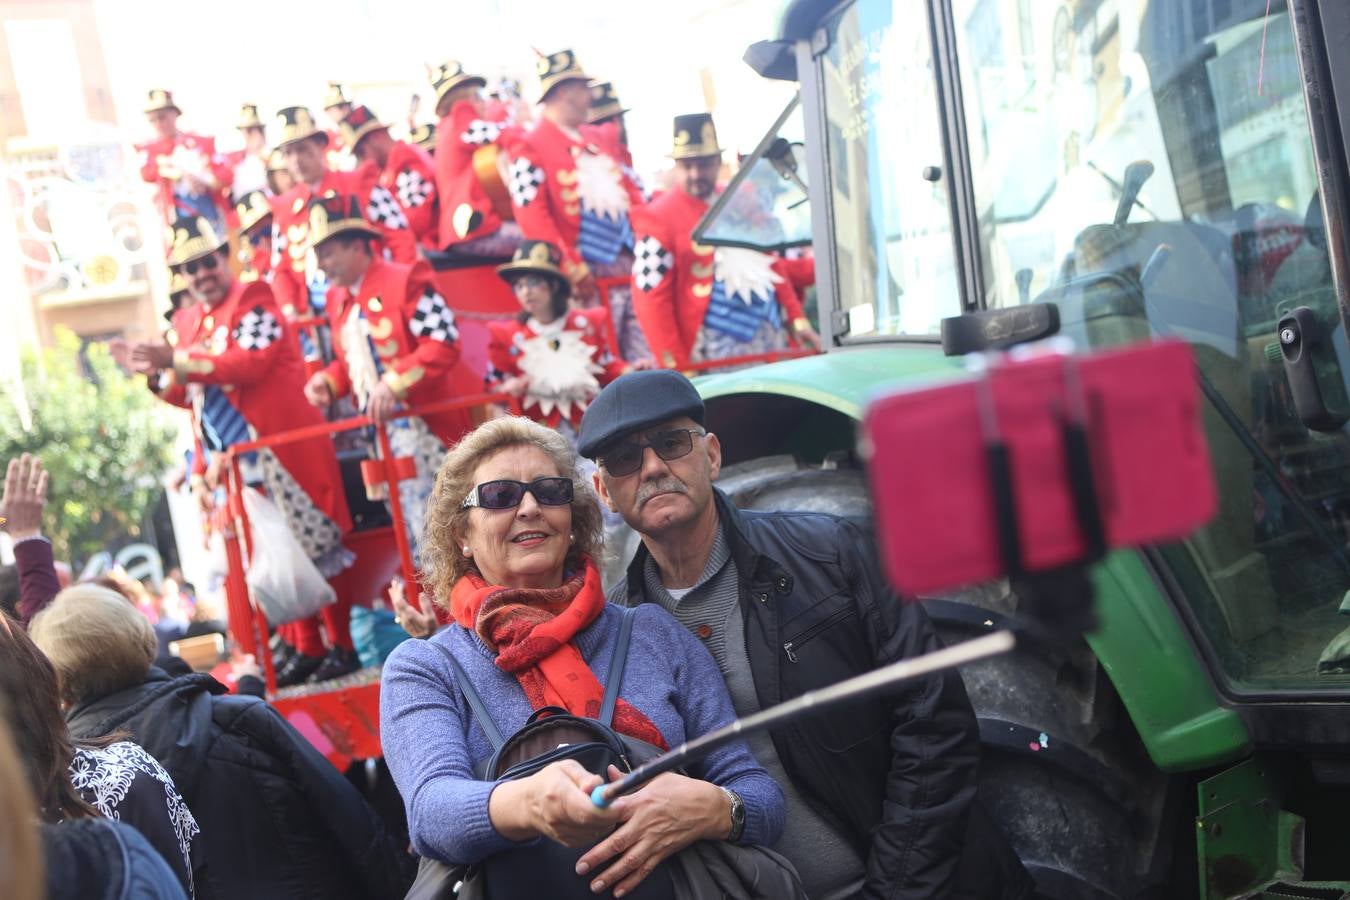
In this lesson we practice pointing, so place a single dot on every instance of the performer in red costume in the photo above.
(697, 302)
(405, 170)
(336, 105)
(566, 190)
(394, 343)
(238, 369)
(249, 164)
(254, 212)
(299, 282)
(554, 359)
(605, 126)
(468, 140)
(191, 178)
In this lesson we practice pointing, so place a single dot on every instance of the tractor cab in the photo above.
(977, 174)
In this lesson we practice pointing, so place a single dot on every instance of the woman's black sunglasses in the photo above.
(626, 458)
(206, 262)
(505, 494)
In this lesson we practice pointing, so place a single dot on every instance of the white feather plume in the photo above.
(600, 185)
(745, 273)
(561, 369)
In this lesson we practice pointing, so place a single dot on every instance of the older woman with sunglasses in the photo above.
(511, 536)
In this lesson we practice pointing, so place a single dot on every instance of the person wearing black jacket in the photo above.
(277, 820)
(881, 794)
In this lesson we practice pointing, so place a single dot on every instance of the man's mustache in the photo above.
(667, 485)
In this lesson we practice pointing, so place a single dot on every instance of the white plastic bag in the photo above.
(285, 582)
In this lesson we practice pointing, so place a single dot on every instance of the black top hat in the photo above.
(357, 124)
(297, 124)
(252, 209)
(334, 96)
(158, 99)
(248, 117)
(635, 401)
(555, 68)
(334, 214)
(534, 257)
(694, 136)
(448, 76)
(604, 103)
(192, 238)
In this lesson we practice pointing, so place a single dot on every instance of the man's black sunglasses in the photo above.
(505, 494)
(626, 458)
(206, 262)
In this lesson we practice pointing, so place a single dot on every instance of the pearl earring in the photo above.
(572, 538)
(467, 550)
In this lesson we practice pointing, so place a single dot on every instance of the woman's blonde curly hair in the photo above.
(447, 523)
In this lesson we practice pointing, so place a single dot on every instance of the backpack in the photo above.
(544, 868)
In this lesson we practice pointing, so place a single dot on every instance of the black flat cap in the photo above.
(635, 401)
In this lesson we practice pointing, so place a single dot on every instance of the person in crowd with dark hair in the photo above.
(109, 777)
(554, 358)
(90, 858)
(509, 548)
(278, 821)
(395, 342)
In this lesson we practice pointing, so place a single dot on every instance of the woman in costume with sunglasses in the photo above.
(553, 358)
(511, 535)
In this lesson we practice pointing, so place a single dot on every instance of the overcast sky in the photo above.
(276, 53)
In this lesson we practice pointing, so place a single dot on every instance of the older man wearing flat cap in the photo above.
(881, 794)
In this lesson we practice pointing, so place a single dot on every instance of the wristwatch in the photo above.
(737, 813)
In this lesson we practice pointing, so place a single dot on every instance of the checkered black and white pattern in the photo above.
(651, 263)
(258, 329)
(493, 376)
(413, 190)
(481, 132)
(384, 210)
(317, 534)
(433, 318)
(526, 178)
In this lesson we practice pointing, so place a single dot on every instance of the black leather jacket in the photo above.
(895, 775)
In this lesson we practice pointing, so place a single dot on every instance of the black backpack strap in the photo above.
(476, 704)
(616, 666)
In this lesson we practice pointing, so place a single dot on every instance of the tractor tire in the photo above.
(1063, 771)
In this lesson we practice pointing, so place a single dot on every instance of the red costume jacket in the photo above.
(291, 260)
(545, 192)
(159, 167)
(574, 350)
(410, 176)
(397, 328)
(460, 134)
(237, 367)
(673, 276)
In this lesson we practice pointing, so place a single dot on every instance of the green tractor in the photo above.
(975, 173)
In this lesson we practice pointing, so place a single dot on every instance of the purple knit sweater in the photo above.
(431, 741)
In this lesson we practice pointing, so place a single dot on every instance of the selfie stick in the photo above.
(800, 707)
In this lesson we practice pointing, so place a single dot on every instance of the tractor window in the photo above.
(765, 207)
(1148, 167)
(895, 260)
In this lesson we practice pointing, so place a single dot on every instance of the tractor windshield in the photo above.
(1147, 167)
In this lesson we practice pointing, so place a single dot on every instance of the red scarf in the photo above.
(531, 631)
